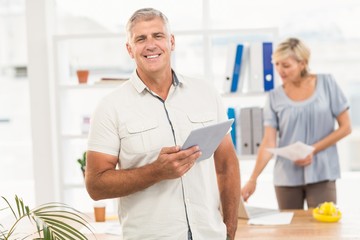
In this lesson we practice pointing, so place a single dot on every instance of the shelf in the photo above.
(5, 120)
(272, 31)
(89, 86)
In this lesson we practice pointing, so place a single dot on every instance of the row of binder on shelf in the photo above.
(249, 68)
(247, 130)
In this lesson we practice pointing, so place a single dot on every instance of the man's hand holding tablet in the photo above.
(208, 138)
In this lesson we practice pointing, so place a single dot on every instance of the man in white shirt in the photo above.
(163, 192)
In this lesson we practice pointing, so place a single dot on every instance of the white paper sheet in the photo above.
(282, 218)
(295, 151)
(208, 138)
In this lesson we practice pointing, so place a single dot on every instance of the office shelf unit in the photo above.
(199, 53)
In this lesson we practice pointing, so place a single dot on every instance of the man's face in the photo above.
(150, 45)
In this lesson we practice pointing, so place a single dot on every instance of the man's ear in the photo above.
(172, 42)
(128, 47)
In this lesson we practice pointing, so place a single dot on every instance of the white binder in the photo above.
(246, 131)
(256, 68)
(257, 127)
(231, 53)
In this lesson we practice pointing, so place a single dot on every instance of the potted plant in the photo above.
(82, 75)
(82, 162)
(52, 221)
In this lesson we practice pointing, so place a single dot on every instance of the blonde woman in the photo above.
(305, 108)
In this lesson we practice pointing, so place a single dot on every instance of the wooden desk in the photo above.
(302, 226)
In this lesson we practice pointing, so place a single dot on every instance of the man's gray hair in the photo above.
(145, 14)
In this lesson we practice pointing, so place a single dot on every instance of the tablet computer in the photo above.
(207, 138)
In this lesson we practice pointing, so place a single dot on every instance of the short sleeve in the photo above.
(103, 134)
(338, 100)
(270, 117)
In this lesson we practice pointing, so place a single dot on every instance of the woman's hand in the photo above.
(248, 189)
(305, 162)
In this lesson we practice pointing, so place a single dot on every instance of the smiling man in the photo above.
(163, 192)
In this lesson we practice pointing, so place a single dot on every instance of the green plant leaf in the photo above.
(66, 230)
(12, 210)
(46, 232)
(53, 221)
(17, 204)
(20, 206)
(60, 215)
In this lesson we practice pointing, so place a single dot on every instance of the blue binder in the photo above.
(231, 114)
(237, 68)
(268, 67)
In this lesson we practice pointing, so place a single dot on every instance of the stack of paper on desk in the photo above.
(293, 152)
(282, 218)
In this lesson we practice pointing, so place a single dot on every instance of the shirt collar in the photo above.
(140, 86)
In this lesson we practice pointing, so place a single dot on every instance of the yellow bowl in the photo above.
(326, 218)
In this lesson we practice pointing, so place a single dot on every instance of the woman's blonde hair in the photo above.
(295, 48)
